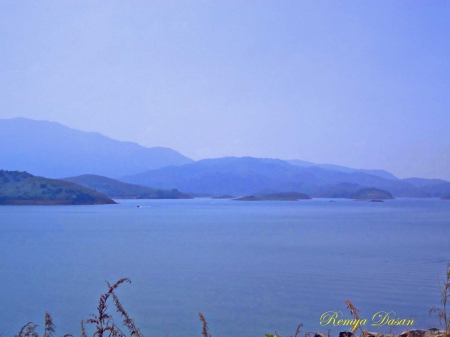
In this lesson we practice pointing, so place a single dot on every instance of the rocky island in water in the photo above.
(280, 196)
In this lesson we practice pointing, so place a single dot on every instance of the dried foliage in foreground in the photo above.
(106, 327)
(205, 326)
(104, 323)
(49, 327)
(443, 315)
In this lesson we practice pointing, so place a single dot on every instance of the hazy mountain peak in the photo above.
(54, 150)
(250, 176)
(376, 172)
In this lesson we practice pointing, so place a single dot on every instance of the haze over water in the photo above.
(250, 267)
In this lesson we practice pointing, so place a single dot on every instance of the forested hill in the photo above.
(22, 188)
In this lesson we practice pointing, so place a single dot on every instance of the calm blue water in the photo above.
(250, 267)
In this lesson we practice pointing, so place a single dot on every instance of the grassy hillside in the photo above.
(22, 188)
(120, 190)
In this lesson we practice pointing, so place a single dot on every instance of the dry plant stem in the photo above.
(298, 330)
(104, 321)
(445, 295)
(83, 331)
(354, 313)
(28, 330)
(49, 327)
(127, 321)
(205, 326)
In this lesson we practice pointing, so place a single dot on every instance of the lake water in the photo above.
(250, 267)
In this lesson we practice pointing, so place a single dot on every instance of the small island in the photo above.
(280, 196)
(370, 193)
(248, 198)
(447, 197)
(225, 196)
(22, 188)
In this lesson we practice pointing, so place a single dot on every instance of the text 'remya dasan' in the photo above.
(380, 318)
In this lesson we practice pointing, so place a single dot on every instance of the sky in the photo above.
(364, 84)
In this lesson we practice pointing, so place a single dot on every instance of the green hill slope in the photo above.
(22, 188)
(119, 190)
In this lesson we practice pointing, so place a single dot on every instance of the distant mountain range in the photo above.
(53, 150)
(255, 176)
(378, 173)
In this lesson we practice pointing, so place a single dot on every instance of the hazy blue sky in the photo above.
(364, 84)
